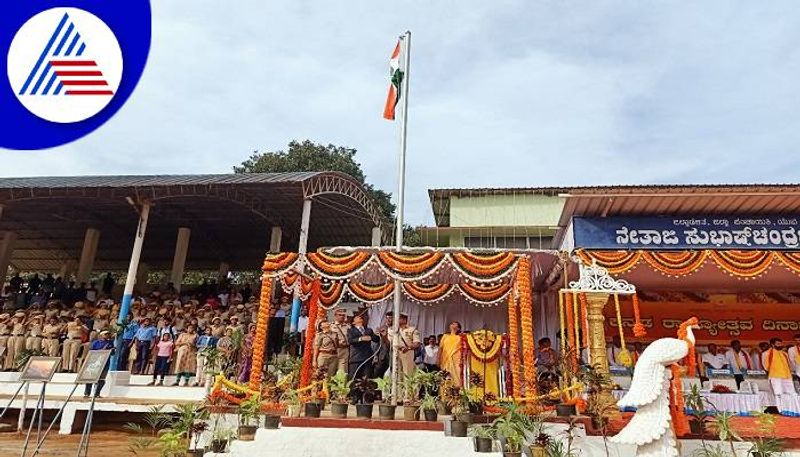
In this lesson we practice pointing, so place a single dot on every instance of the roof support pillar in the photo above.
(130, 280)
(305, 221)
(222, 272)
(275, 239)
(7, 240)
(88, 254)
(376, 236)
(66, 270)
(179, 260)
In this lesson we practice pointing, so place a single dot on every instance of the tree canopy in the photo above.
(309, 156)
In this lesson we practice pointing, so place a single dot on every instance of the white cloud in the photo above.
(503, 93)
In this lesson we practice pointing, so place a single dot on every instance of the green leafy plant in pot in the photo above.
(540, 445)
(339, 387)
(765, 444)
(483, 436)
(220, 437)
(428, 408)
(458, 427)
(366, 389)
(411, 386)
(699, 416)
(291, 398)
(386, 410)
(189, 424)
(512, 436)
(249, 413)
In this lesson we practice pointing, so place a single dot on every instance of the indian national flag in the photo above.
(396, 75)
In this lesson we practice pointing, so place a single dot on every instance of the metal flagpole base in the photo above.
(38, 411)
(83, 447)
(53, 422)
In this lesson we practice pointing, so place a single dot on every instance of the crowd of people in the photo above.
(165, 332)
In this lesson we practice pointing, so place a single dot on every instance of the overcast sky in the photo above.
(502, 93)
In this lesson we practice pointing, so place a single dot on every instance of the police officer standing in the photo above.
(340, 327)
(406, 343)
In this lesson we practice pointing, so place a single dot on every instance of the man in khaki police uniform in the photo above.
(34, 340)
(326, 342)
(5, 333)
(51, 330)
(406, 343)
(16, 342)
(340, 327)
(72, 344)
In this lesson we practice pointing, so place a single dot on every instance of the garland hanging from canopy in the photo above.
(738, 264)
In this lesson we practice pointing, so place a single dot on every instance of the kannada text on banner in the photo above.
(684, 233)
(719, 322)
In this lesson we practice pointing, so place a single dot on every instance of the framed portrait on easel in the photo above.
(40, 369)
(93, 366)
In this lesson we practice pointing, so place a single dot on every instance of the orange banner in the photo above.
(719, 322)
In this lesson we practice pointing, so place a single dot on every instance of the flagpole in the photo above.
(400, 206)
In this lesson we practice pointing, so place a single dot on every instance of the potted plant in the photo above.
(483, 436)
(339, 387)
(511, 435)
(189, 423)
(249, 410)
(697, 410)
(765, 444)
(723, 426)
(291, 398)
(428, 408)
(386, 410)
(366, 398)
(312, 407)
(540, 445)
(458, 426)
(411, 388)
(220, 437)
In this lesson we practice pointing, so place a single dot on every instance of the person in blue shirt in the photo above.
(145, 340)
(103, 342)
(205, 341)
(128, 334)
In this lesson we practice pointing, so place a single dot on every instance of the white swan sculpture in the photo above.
(651, 428)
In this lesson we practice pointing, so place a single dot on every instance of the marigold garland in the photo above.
(371, 293)
(484, 293)
(691, 356)
(262, 327)
(487, 356)
(338, 266)
(410, 264)
(311, 332)
(275, 264)
(524, 287)
(427, 292)
(331, 293)
(639, 330)
(571, 329)
(513, 348)
(484, 265)
(677, 405)
(561, 323)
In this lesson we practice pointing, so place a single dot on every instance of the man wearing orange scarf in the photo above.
(794, 356)
(776, 362)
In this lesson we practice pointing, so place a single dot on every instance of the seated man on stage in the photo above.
(713, 359)
(738, 361)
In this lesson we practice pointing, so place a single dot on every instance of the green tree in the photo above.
(309, 156)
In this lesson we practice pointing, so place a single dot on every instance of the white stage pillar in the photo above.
(179, 260)
(275, 239)
(376, 236)
(302, 247)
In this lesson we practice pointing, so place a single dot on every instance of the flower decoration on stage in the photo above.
(410, 265)
(737, 264)
(484, 345)
(571, 335)
(338, 266)
(584, 308)
(276, 264)
(368, 293)
(624, 356)
(513, 348)
(485, 266)
(427, 293)
(524, 290)
(262, 326)
(330, 294)
(639, 330)
(311, 331)
(484, 293)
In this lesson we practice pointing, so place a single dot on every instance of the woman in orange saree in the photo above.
(450, 353)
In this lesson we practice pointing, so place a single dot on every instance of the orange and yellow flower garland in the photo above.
(571, 329)
(311, 332)
(523, 285)
(638, 328)
(260, 340)
(513, 345)
(585, 319)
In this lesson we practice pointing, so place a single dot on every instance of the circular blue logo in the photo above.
(68, 67)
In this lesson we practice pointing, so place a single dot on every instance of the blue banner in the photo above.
(688, 232)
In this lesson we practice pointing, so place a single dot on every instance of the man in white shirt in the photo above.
(794, 357)
(431, 357)
(302, 326)
(714, 360)
(738, 361)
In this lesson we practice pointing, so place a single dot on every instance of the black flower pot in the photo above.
(272, 422)
(218, 446)
(386, 412)
(247, 432)
(476, 408)
(364, 411)
(466, 418)
(430, 415)
(564, 410)
(483, 444)
(512, 454)
(195, 452)
(339, 410)
(313, 409)
(458, 429)
(697, 427)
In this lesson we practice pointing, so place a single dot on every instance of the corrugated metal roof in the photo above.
(153, 180)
